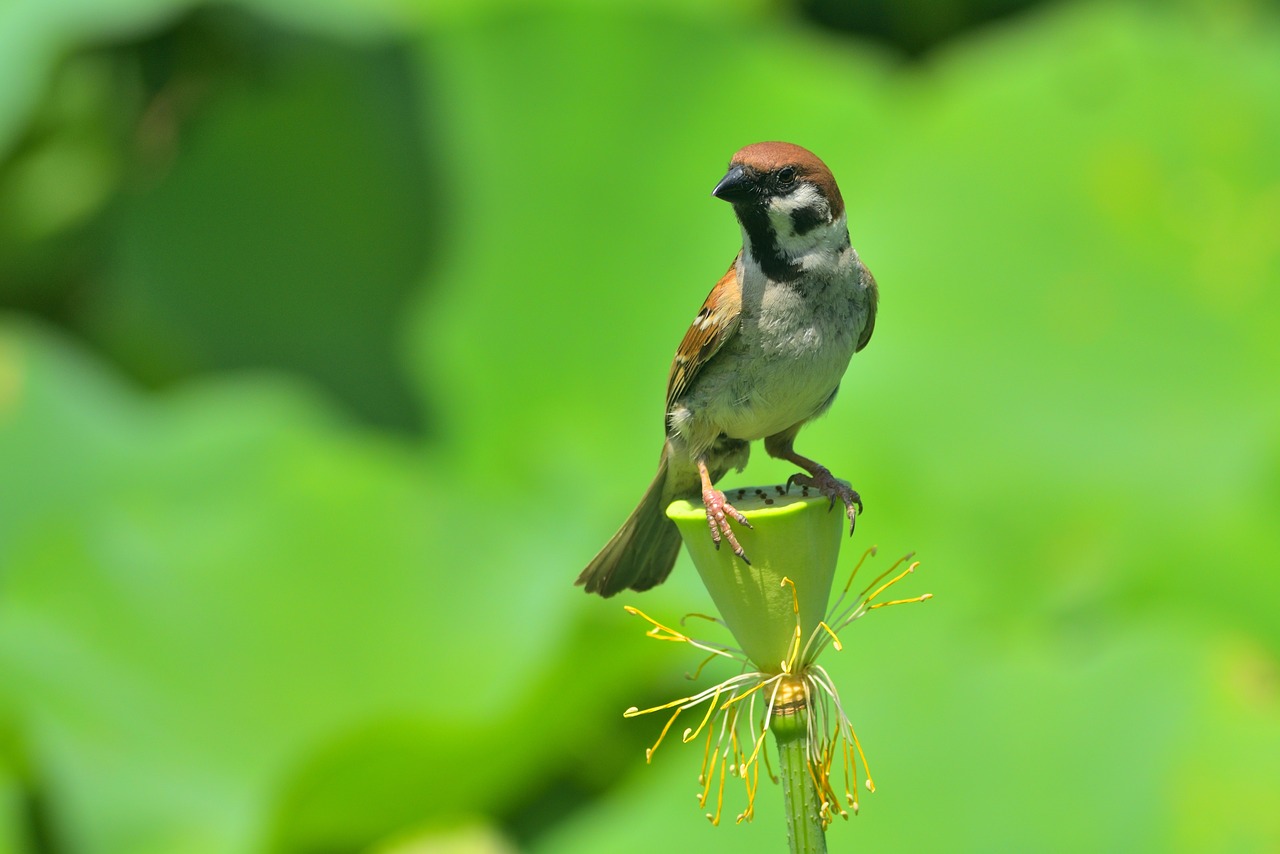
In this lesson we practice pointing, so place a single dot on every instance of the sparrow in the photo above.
(763, 357)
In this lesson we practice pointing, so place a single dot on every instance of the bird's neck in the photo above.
(787, 247)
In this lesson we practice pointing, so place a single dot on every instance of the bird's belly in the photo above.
(781, 369)
(768, 402)
(765, 386)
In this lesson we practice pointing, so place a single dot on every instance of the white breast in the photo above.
(797, 356)
(784, 362)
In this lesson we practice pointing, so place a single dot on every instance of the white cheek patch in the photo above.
(781, 208)
(804, 196)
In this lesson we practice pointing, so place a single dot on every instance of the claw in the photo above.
(832, 487)
(719, 511)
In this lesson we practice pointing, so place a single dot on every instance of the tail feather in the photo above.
(643, 551)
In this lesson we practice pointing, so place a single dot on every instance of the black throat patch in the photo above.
(764, 243)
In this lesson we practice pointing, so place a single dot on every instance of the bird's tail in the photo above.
(643, 551)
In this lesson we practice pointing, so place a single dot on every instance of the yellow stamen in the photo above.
(720, 793)
(703, 777)
(868, 553)
(728, 750)
(657, 627)
(883, 587)
(648, 754)
(897, 563)
(633, 712)
(871, 787)
(698, 672)
(690, 735)
(817, 777)
(921, 598)
(793, 649)
(849, 765)
(773, 778)
(657, 633)
(737, 698)
(795, 598)
(751, 784)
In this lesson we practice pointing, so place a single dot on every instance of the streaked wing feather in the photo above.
(714, 325)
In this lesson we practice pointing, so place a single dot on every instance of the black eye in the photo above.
(786, 175)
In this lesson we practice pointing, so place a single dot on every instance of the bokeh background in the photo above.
(333, 340)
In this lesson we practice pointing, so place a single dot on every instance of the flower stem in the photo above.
(803, 804)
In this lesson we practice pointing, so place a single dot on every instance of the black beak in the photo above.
(734, 186)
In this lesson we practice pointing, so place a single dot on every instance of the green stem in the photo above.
(803, 806)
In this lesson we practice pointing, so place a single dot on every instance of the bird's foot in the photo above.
(719, 511)
(831, 486)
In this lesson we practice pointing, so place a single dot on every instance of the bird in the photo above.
(763, 357)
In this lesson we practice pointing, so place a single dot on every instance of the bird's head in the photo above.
(791, 210)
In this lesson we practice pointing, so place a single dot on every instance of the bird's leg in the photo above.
(819, 477)
(718, 512)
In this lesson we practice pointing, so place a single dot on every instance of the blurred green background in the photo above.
(333, 339)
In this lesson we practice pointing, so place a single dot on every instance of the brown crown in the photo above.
(771, 156)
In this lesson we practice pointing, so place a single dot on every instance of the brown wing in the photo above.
(874, 293)
(717, 320)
